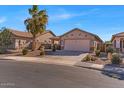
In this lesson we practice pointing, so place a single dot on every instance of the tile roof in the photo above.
(27, 34)
(119, 34)
(96, 36)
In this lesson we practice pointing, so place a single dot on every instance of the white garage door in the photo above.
(77, 45)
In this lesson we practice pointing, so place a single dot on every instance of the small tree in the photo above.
(116, 59)
(5, 38)
(97, 52)
(109, 51)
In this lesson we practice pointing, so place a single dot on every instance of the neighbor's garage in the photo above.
(77, 45)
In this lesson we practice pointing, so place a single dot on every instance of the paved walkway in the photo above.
(108, 69)
(59, 60)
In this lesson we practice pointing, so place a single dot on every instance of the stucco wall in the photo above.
(77, 35)
(80, 35)
(117, 42)
(45, 38)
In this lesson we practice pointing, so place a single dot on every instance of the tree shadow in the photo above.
(64, 53)
(115, 71)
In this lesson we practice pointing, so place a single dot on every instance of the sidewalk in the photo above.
(109, 69)
(45, 60)
(58, 60)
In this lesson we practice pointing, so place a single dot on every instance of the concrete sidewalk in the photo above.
(108, 69)
(89, 65)
(58, 60)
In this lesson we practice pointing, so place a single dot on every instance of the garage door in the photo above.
(77, 45)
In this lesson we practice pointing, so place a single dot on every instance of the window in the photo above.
(85, 35)
(19, 42)
(120, 43)
(71, 34)
(115, 43)
(80, 34)
(123, 43)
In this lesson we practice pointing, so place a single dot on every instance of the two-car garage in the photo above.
(78, 40)
(77, 45)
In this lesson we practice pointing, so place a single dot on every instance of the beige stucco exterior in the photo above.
(118, 43)
(45, 38)
(78, 40)
(20, 41)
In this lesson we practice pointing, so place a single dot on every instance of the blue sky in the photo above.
(101, 20)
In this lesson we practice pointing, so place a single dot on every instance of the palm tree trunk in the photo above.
(33, 44)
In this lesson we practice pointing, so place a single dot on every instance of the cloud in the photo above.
(2, 19)
(64, 16)
(78, 24)
(67, 15)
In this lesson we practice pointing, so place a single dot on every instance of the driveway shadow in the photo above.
(115, 71)
(64, 53)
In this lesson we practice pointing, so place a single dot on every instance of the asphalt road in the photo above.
(24, 74)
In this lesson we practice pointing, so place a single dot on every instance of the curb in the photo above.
(112, 71)
(89, 66)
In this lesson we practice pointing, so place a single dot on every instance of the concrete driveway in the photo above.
(68, 58)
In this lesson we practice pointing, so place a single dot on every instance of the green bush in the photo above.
(54, 48)
(89, 58)
(93, 58)
(110, 49)
(42, 50)
(86, 58)
(42, 53)
(116, 59)
(97, 52)
(24, 51)
(2, 51)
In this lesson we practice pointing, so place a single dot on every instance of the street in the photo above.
(39, 75)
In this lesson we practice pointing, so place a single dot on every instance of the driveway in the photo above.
(68, 58)
(64, 53)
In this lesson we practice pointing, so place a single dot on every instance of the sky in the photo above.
(101, 20)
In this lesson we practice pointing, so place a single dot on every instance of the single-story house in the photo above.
(22, 39)
(78, 40)
(118, 41)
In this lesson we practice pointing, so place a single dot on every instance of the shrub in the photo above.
(54, 48)
(24, 51)
(58, 47)
(2, 51)
(86, 58)
(42, 51)
(93, 58)
(89, 58)
(116, 59)
(110, 49)
(97, 52)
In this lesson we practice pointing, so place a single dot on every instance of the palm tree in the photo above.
(37, 23)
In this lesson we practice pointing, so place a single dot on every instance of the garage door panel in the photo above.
(77, 45)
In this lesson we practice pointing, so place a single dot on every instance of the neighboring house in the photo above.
(78, 40)
(118, 41)
(24, 39)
